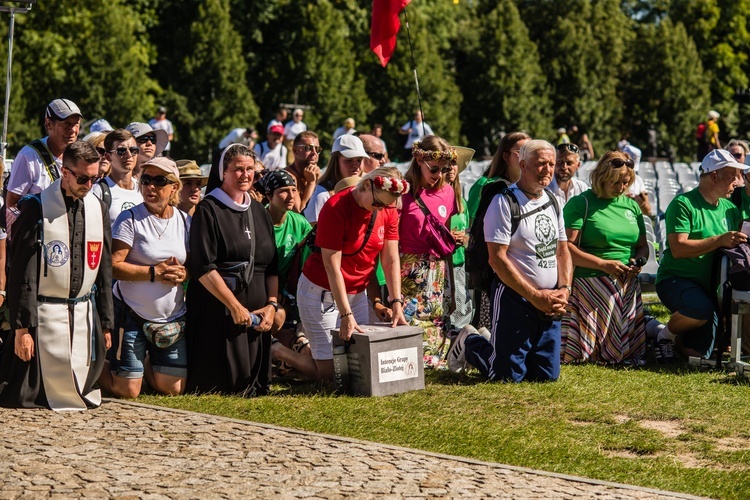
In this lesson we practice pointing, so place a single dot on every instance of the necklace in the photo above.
(530, 195)
(156, 229)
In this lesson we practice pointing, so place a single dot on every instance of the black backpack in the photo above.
(477, 255)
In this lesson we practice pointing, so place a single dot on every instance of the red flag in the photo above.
(385, 26)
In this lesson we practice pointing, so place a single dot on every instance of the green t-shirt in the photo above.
(690, 213)
(460, 222)
(611, 230)
(475, 194)
(288, 235)
(745, 212)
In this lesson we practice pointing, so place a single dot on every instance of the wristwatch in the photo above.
(274, 304)
(568, 287)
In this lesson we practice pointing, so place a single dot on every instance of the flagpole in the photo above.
(414, 67)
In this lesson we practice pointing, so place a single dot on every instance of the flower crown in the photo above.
(424, 155)
(391, 185)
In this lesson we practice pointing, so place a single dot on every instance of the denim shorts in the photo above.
(127, 361)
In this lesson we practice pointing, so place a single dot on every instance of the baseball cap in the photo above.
(164, 164)
(189, 169)
(101, 125)
(162, 109)
(61, 109)
(718, 159)
(349, 146)
(276, 129)
(139, 128)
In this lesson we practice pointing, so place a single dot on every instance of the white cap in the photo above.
(60, 109)
(718, 159)
(349, 146)
(139, 128)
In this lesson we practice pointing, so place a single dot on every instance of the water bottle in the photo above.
(254, 320)
(340, 369)
(410, 310)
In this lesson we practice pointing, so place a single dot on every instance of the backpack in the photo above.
(477, 254)
(738, 278)
(700, 132)
(106, 192)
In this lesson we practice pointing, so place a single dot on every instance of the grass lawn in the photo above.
(673, 428)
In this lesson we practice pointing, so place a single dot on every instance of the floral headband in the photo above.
(424, 155)
(391, 185)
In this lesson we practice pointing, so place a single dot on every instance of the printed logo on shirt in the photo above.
(442, 211)
(630, 216)
(56, 253)
(127, 205)
(289, 243)
(381, 233)
(546, 249)
(93, 254)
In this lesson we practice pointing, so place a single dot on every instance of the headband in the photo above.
(424, 155)
(276, 179)
(391, 185)
(221, 159)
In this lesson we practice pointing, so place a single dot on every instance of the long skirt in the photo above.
(424, 279)
(605, 322)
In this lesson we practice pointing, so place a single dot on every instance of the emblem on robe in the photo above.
(93, 254)
(56, 253)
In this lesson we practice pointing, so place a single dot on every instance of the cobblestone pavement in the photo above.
(127, 450)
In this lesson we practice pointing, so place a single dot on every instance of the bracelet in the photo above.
(400, 301)
(345, 315)
(152, 271)
(274, 304)
(377, 301)
(3, 293)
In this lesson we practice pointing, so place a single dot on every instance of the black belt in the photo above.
(59, 300)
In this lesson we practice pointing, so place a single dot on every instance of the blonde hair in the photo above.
(604, 173)
(414, 174)
(174, 198)
(391, 172)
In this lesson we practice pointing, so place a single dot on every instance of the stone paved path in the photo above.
(126, 450)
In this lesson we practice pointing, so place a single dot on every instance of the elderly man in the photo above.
(699, 222)
(291, 130)
(525, 236)
(564, 184)
(304, 169)
(61, 292)
(377, 157)
(38, 163)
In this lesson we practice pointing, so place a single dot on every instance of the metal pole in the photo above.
(4, 142)
(414, 65)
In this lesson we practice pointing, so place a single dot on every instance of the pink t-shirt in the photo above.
(441, 203)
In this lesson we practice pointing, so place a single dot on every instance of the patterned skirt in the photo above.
(424, 279)
(604, 322)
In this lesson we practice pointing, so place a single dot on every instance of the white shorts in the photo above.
(319, 315)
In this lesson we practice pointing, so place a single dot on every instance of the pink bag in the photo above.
(441, 241)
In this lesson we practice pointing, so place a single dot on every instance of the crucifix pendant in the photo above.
(247, 232)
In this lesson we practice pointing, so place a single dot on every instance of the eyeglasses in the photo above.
(619, 162)
(122, 150)
(570, 147)
(84, 179)
(374, 155)
(738, 156)
(146, 138)
(156, 180)
(101, 151)
(376, 203)
(308, 148)
(437, 168)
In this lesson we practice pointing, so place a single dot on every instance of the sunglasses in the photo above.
(308, 148)
(84, 179)
(738, 156)
(101, 151)
(570, 147)
(619, 162)
(156, 180)
(122, 150)
(438, 168)
(376, 203)
(374, 155)
(146, 138)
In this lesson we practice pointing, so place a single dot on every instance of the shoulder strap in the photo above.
(106, 192)
(46, 155)
(373, 217)
(310, 238)
(515, 209)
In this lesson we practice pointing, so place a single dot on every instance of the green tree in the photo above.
(213, 81)
(502, 83)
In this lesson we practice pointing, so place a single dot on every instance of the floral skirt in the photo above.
(604, 323)
(425, 279)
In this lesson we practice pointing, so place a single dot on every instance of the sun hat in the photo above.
(139, 128)
(718, 159)
(349, 146)
(464, 157)
(164, 164)
(61, 109)
(189, 169)
(713, 115)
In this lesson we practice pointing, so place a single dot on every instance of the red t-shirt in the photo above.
(342, 225)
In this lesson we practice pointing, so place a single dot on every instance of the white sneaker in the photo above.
(457, 352)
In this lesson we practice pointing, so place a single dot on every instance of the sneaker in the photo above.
(664, 351)
(653, 327)
(484, 332)
(457, 352)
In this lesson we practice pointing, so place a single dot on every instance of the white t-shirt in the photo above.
(416, 132)
(122, 199)
(29, 174)
(273, 159)
(237, 135)
(319, 198)
(152, 301)
(577, 186)
(533, 248)
(638, 186)
(292, 129)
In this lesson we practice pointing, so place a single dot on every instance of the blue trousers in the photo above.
(523, 346)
